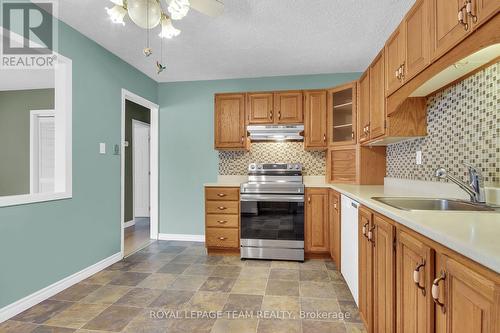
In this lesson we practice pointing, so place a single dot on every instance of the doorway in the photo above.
(139, 173)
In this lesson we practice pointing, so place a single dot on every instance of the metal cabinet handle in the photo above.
(271, 114)
(222, 238)
(461, 18)
(324, 137)
(221, 194)
(364, 229)
(403, 71)
(222, 208)
(352, 135)
(335, 205)
(309, 199)
(435, 290)
(416, 276)
(279, 115)
(222, 222)
(397, 73)
(370, 234)
(468, 9)
(242, 139)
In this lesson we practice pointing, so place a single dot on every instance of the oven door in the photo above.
(272, 220)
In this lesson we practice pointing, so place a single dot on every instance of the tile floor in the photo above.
(198, 293)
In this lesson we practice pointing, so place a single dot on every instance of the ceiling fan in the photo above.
(148, 14)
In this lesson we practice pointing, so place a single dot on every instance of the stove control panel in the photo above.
(271, 167)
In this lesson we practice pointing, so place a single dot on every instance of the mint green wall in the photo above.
(45, 242)
(15, 107)
(187, 156)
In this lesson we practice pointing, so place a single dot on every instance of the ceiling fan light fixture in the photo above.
(144, 13)
(178, 9)
(167, 29)
(119, 2)
(117, 14)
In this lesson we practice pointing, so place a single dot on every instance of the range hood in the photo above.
(276, 132)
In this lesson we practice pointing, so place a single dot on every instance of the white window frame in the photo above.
(63, 101)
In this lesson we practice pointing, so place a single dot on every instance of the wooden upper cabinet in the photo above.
(384, 271)
(414, 304)
(365, 275)
(229, 121)
(288, 107)
(483, 9)
(467, 299)
(316, 220)
(395, 59)
(315, 136)
(417, 39)
(377, 97)
(364, 107)
(342, 106)
(447, 31)
(334, 226)
(260, 108)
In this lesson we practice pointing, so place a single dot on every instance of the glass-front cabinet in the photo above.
(342, 114)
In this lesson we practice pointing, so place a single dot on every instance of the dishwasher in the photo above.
(349, 244)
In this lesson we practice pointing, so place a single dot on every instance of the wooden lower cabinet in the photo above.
(222, 219)
(365, 290)
(384, 269)
(334, 226)
(414, 300)
(316, 221)
(468, 301)
(408, 283)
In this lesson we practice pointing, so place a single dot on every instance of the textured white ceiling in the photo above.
(253, 38)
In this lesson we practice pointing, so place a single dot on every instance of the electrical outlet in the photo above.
(419, 157)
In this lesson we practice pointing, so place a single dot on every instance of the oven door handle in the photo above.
(272, 197)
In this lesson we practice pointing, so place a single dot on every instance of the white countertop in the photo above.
(475, 235)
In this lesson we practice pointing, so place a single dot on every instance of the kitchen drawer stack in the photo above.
(222, 219)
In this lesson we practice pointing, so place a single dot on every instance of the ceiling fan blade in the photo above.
(208, 7)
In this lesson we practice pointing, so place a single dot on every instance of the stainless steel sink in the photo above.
(408, 203)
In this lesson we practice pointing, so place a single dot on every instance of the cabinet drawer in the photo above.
(222, 193)
(222, 237)
(222, 207)
(222, 221)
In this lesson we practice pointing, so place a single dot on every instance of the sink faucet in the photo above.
(473, 188)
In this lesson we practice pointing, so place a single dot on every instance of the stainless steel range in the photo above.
(272, 212)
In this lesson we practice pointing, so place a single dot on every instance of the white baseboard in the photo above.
(19, 306)
(182, 237)
(128, 224)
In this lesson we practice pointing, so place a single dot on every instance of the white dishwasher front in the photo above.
(349, 244)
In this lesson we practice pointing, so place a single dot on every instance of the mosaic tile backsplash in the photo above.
(463, 124)
(236, 162)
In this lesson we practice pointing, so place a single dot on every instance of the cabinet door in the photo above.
(260, 108)
(342, 115)
(288, 107)
(384, 271)
(341, 164)
(394, 60)
(484, 9)
(377, 97)
(414, 309)
(417, 42)
(315, 119)
(316, 230)
(364, 107)
(467, 297)
(230, 121)
(447, 31)
(334, 226)
(365, 268)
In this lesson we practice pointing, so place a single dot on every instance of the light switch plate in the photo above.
(419, 157)
(102, 148)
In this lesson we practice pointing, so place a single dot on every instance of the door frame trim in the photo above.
(154, 163)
